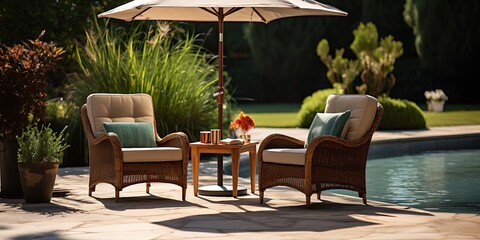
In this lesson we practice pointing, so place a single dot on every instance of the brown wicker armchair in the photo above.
(328, 162)
(121, 167)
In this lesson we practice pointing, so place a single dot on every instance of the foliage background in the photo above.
(277, 62)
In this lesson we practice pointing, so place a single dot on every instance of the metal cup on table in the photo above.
(215, 136)
(204, 136)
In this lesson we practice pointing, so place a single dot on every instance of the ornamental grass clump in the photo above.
(163, 62)
(40, 144)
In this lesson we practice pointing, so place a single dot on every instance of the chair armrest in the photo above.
(280, 141)
(111, 136)
(176, 139)
(102, 148)
(321, 140)
(180, 140)
(334, 152)
(114, 140)
(277, 140)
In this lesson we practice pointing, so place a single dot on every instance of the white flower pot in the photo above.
(436, 106)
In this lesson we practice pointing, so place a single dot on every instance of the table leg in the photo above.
(253, 166)
(195, 167)
(235, 169)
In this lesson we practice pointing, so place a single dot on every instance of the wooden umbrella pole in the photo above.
(219, 93)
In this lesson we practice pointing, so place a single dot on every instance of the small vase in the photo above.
(437, 106)
(246, 138)
(238, 133)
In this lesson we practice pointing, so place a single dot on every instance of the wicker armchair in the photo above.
(122, 167)
(328, 162)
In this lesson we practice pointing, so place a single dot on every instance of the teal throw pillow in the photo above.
(132, 134)
(327, 124)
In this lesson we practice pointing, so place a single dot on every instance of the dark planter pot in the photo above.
(10, 179)
(37, 181)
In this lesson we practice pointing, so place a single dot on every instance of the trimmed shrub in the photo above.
(401, 114)
(312, 105)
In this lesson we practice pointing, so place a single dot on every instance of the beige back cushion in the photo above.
(105, 107)
(362, 112)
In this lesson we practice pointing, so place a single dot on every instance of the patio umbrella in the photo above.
(220, 11)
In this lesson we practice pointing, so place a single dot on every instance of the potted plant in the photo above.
(435, 100)
(23, 79)
(243, 123)
(39, 154)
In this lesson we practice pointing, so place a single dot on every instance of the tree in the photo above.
(375, 62)
(447, 42)
(341, 70)
(378, 59)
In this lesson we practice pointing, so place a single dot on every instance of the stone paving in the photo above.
(162, 215)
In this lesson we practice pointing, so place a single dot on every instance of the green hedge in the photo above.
(401, 114)
(312, 105)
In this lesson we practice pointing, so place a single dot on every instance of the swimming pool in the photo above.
(437, 181)
(446, 181)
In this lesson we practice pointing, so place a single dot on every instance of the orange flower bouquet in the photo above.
(243, 122)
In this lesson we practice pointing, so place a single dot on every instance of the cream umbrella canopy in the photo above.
(216, 10)
(220, 11)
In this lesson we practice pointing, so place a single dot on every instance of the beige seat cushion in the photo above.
(104, 107)
(155, 154)
(362, 112)
(295, 156)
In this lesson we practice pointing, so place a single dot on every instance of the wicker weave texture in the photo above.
(331, 163)
(107, 166)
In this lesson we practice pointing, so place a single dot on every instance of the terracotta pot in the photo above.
(38, 180)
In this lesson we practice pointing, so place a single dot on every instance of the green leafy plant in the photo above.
(377, 58)
(23, 79)
(163, 62)
(375, 62)
(60, 111)
(341, 70)
(40, 144)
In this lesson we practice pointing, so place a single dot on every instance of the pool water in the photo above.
(437, 181)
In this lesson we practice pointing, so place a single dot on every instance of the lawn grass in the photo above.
(272, 115)
(452, 118)
(285, 115)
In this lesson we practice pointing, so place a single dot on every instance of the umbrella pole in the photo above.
(220, 189)
(220, 93)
